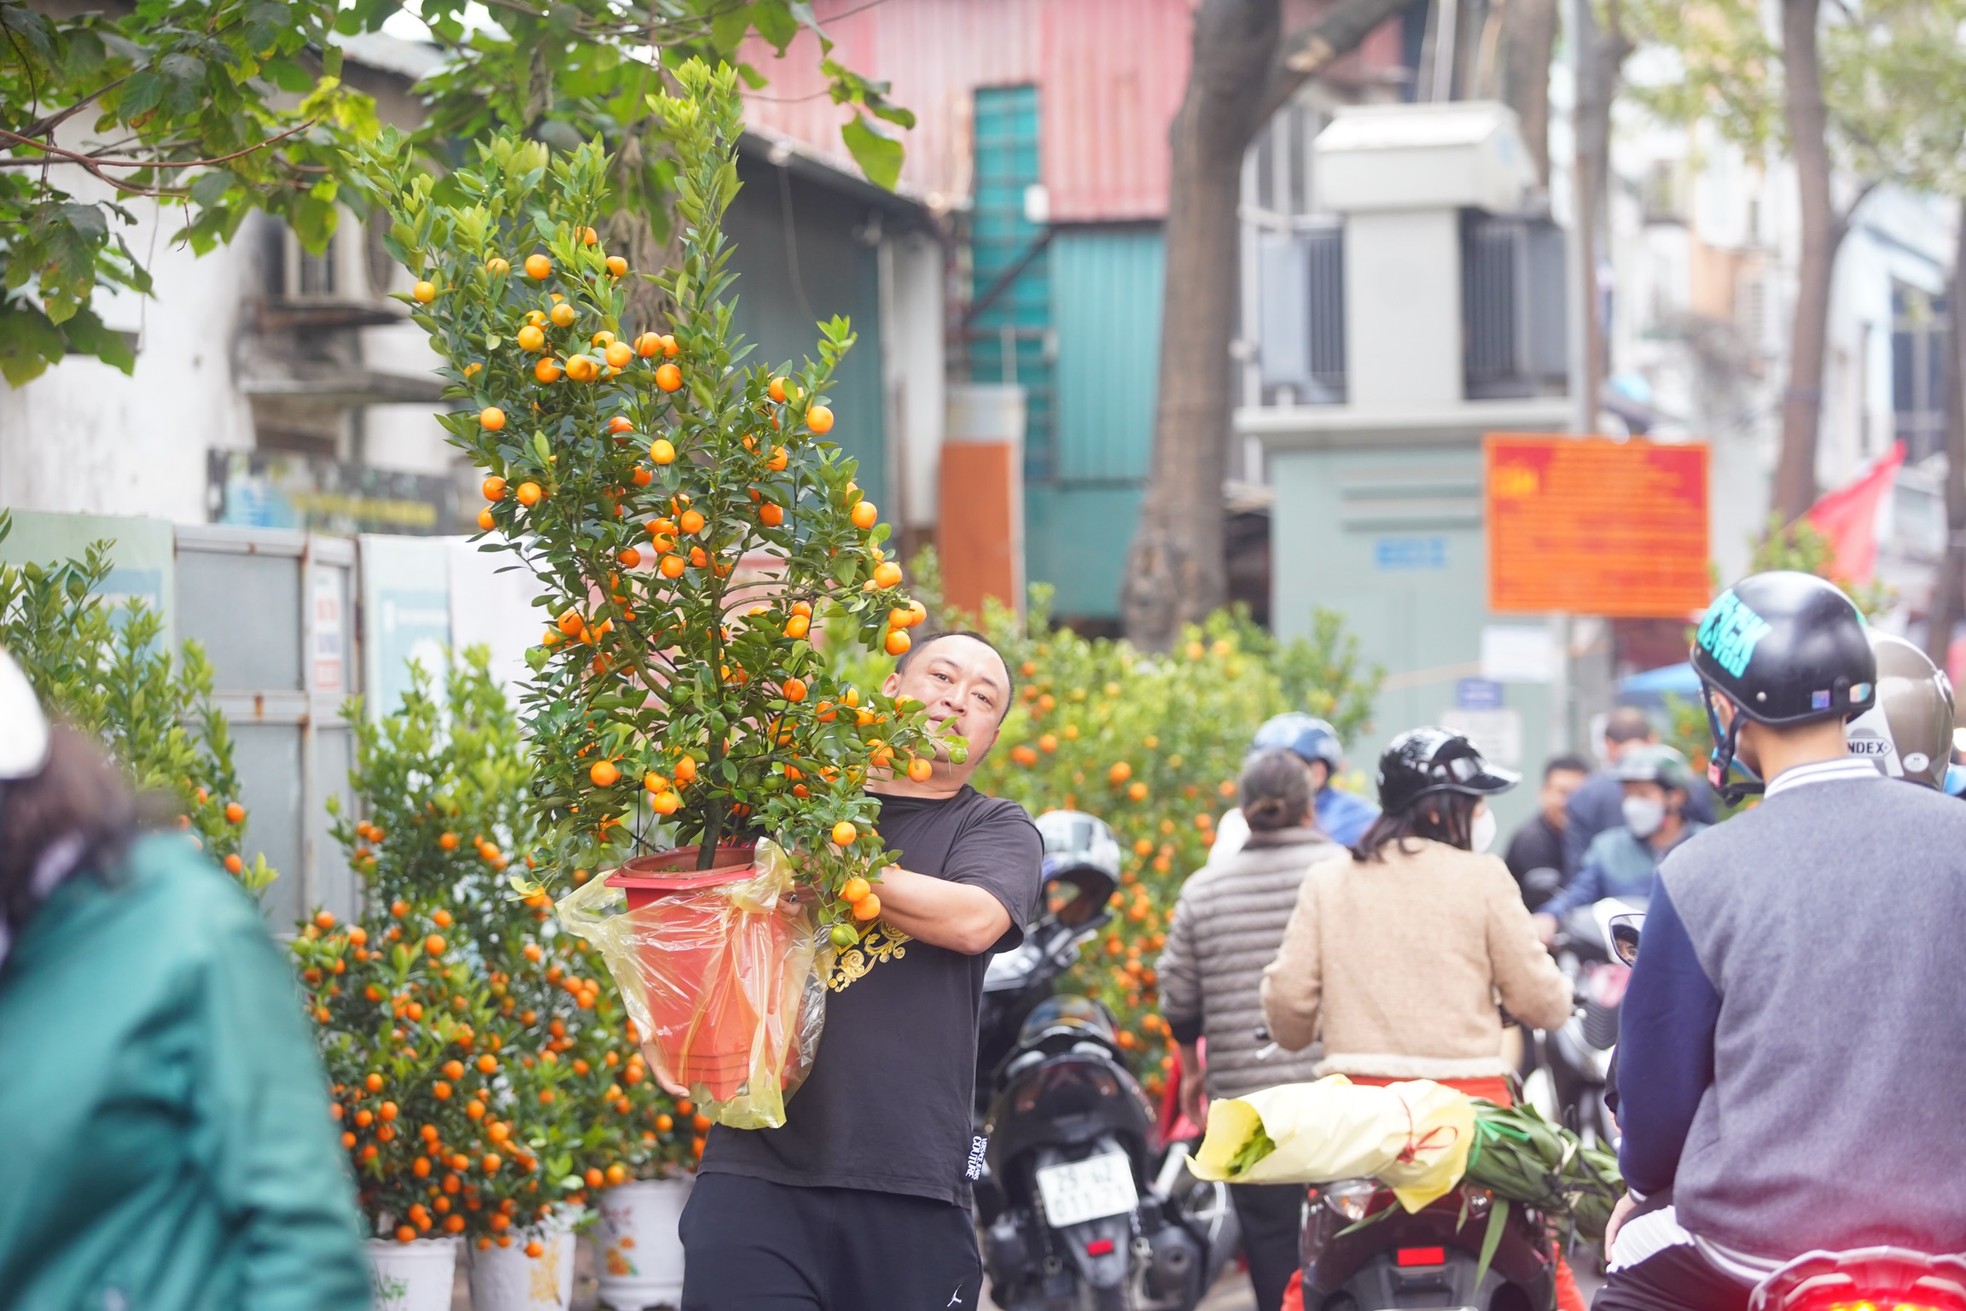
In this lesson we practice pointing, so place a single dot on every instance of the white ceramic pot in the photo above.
(414, 1276)
(639, 1253)
(506, 1279)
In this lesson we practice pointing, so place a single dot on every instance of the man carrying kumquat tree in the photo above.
(862, 1198)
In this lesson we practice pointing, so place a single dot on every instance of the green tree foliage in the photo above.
(104, 670)
(226, 106)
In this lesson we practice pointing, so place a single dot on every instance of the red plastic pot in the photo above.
(713, 973)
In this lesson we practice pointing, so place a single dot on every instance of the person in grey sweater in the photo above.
(1790, 1053)
(1227, 927)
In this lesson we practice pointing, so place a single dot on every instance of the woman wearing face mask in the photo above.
(1397, 953)
(1622, 862)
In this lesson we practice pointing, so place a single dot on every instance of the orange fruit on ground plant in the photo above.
(617, 266)
(531, 338)
(491, 418)
(497, 267)
(844, 833)
(897, 642)
(583, 368)
(771, 514)
(887, 574)
(424, 292)
(538, 267)
(672, 566)
(854, 889)
(797, 627)
(547, 370)
(493, 488)
(665, 803)
(669, 377)
(621, 423)
(604, 774)
(485, 520)
(692, 522)
(529, 494)
(233, 864)
(867, 908)
(777, 390)
(865, 515)
(795, 689)
(648, 345)
(234, 812)
(685, 769)
(434, 944)
(620, 354)
(662, 451)
(629, 557)
(921, 769)
(820, 419)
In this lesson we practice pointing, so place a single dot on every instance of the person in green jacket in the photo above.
(168, 1137)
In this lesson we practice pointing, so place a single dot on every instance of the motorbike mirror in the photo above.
(1625, 931)
(1076, 895)
(1541, 884)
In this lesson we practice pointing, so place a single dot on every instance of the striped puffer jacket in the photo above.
(1227, 927)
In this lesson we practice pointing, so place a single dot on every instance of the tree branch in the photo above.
(1310, 52)
(94, 164)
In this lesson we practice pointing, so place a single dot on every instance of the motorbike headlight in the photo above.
(1351, 1198)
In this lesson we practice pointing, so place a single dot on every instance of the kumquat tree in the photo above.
(690, 527)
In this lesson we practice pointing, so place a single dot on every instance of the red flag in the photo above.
(1848, 517)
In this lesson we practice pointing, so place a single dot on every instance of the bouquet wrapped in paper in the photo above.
(1413, 1137)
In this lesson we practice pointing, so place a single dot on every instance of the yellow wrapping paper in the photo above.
(1413, 1137)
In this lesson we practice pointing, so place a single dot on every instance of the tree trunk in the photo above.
(1241, 74)
(1822, 232)
(1528, 38)
(1949, 592)
(1177, 573)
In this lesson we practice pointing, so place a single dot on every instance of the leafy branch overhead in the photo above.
(223, 107)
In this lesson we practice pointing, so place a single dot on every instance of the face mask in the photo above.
(1643, 816)
(1481, 834)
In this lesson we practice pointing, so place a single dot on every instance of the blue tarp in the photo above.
(1679, 680)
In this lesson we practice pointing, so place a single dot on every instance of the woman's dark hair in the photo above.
(1275, 792)
(1442, 816)
(78, 794)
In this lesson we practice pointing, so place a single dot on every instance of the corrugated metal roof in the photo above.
(1109, 73)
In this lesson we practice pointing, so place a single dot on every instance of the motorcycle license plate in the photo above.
(1087, 1190)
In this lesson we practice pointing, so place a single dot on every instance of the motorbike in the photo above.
(1426, 1259)
(1082, 1208)
(1858, 1279)
(1570, 1081)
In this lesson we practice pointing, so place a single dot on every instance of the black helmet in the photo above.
(1422, 761)
(1785, 649)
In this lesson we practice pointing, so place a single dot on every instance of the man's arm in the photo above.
(957, 916)
(1665, 1048)
(1585, 888)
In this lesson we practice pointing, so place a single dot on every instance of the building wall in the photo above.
(803, 255)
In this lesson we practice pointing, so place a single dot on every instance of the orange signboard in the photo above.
(1587, 525)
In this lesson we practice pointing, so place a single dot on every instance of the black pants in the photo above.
(749, 1245)
(1272, 1218)
(1676, 1278)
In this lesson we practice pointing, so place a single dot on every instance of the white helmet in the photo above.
(23, 728)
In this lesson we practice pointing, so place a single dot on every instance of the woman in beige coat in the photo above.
(1402, 954)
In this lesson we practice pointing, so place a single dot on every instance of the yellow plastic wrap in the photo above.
(1413, 1137)
(725, 982)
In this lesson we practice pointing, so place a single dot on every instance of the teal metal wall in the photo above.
(1105, 310)
(1393, 539)
(777, 222)
(1010, 339)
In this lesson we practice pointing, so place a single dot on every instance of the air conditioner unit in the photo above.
(1513, 308)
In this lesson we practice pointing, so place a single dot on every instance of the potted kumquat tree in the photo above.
(690, 530)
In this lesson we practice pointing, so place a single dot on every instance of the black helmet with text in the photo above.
(1784, 649)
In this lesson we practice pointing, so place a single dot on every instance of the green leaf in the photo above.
(878, 156)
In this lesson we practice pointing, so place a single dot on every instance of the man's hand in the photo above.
(1546, 927)
(1619, 1214)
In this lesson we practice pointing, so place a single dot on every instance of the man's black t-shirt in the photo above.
(886, 1106)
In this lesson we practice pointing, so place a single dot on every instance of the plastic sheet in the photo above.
(724, 976)
(1413, 1137)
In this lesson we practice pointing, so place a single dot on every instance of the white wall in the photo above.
(913, 283)
(84, 438)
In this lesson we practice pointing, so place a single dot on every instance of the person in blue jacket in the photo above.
(1622, 861)
(1341, 816)
(1790, 1050)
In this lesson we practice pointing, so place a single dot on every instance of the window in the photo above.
(1921, 329)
